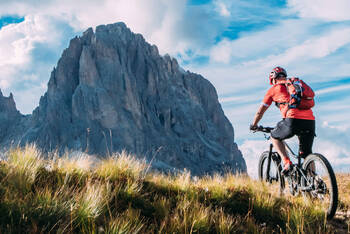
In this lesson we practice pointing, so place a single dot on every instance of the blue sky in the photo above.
(10, 19)
(234, 44)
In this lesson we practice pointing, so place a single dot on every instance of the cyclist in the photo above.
(294, 121)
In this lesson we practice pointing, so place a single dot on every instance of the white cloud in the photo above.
(279, 51)
(222, 9)
(157, 20)
(238, 98)
(342, 129)
(222, 52)
(315, 47)
(251, 150)
(335, 10)
(16, 43)
(337, 155)
(286, 41)
(28, 52)
(4, 83)
(332, 89)
(27, 99)
(315, 59)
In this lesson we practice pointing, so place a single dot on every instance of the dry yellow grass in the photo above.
(343, 181)
(116, 195)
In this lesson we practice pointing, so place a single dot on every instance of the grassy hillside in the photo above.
(119, 195)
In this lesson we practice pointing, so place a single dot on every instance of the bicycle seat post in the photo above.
(271, 146)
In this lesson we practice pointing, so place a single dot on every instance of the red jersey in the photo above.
(279, 93)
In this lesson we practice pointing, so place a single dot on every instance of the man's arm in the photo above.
(259, 114)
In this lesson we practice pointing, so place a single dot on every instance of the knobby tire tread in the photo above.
(263, 159)
(334, 198)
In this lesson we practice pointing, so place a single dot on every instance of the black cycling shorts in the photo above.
(303, 128)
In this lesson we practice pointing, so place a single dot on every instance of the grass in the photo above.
(119, 195)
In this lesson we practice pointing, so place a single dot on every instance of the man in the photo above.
(295, 121)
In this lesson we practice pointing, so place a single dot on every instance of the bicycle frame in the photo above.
(302, 178)
(269, 163)
(299, 170)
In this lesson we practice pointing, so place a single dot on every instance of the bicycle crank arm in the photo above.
(306, 189)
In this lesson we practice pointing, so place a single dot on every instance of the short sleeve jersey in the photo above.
(279, 93)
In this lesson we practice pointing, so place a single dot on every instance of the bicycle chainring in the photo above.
(319, 187)
(293, 184)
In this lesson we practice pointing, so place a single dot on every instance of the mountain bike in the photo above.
(313, 178)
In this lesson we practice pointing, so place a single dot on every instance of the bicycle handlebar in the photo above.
(263, 129)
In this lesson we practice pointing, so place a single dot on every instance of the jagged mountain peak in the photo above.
(111, 90)
(8, 105)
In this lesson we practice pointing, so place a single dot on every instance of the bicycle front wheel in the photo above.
(320, 183)
(273, 175)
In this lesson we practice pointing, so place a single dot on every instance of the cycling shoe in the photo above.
(287, 169)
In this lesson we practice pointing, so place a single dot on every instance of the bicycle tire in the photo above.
(333, 182)
(261, 173)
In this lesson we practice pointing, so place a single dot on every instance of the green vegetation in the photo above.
(117, 195)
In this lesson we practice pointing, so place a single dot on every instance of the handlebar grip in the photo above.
(264, 129)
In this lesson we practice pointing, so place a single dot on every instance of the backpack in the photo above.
(301, 95)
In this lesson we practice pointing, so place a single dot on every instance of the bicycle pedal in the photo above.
(287, 171)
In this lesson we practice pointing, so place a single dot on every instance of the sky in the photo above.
(232, 43)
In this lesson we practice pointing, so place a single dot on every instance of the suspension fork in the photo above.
(267, 176)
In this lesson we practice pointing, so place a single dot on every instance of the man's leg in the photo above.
(282, 131)
(306, 139)
(305, 144)
(281, 149)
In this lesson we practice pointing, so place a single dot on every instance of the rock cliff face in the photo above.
(12, 123)
(111, 90)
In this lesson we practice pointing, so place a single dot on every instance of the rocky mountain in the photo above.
(12, 122)
(111, 90)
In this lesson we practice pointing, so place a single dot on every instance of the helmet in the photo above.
(276, 72)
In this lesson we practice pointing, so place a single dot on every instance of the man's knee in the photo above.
(276, 139)
(283, 130)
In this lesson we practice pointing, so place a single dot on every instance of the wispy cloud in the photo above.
(28, 52)
(332, 89)
(222, 9)
(335, 10)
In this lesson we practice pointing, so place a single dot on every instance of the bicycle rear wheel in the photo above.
(274, 174)
(321, 181)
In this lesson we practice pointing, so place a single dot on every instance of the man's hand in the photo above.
(259, 114)
(253, 127)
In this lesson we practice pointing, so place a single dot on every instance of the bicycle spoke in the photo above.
(271, 175)
(315, 180)
(319, 180)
